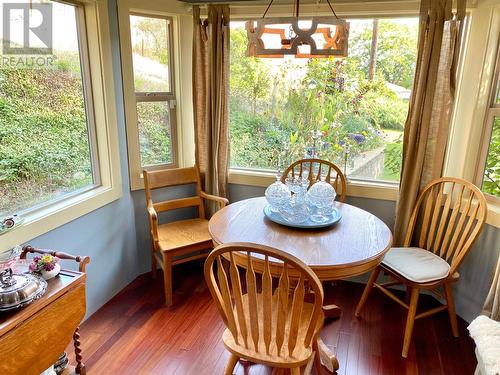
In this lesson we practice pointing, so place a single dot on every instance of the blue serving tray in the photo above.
(308, 224)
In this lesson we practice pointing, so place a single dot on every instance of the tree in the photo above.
(250, 77)
(491, 180)
(152, 38)
(396, 50)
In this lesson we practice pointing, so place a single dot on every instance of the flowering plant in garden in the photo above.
(43, 263)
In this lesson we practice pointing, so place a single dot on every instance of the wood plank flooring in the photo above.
(135, 334)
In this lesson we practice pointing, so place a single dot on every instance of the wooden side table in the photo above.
(33, 338)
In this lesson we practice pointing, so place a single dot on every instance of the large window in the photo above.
(47, 129)
(490, 168)
(151, 46)
(351, 111)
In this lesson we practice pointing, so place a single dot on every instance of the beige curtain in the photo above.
(492, 305)
(211, 96)
(427, 124)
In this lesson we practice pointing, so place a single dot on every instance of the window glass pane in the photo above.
(150, 53)
(283, 109)
(491, 179)
(44, 135)
(153, 120)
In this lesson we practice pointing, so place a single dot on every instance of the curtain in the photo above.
(211, 97)
(492, 305)
(427, 125)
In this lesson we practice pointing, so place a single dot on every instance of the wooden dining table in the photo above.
(351, 247)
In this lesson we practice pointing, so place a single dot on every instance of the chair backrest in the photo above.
(447, 218)
(317, 168)
(271, 315)
(173, 177)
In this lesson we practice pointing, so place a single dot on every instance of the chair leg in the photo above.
(410, 320)
(295, 371)
(231, 364)
(368, 289)
(167, 278)
(154, 266)
(451, 308)
(317, 357)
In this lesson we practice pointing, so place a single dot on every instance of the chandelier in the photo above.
(305, 37)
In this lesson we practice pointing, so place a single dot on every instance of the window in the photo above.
(48, 149)
(150, 37)
(59, 154)
(149, 90)
(351, 111)
(489, 178)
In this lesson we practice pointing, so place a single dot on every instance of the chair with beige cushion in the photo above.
(179, 241)
(446, 220)
(333, 175)
(272, 323)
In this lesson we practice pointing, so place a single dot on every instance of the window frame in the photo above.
(159, 97)
(83, 51)
(100, 100)
(492, 112)
(181, 24)
(465, 150)
(356, 187)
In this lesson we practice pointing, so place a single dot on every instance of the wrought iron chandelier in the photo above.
(306, 37)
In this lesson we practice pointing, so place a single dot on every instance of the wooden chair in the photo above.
(333, 174)
(445, 222)
(270, 325)
(179, 238)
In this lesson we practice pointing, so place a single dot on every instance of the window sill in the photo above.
(55, 215)
(363, 189)
(493, 216)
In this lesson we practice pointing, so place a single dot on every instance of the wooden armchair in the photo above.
(274, 326)
(333, 174)
(178, 238)
(446, 220)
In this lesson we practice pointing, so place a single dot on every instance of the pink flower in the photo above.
(48, 266)
(36, 259)
(32, 267)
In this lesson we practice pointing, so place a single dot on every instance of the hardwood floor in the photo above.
(135, 334)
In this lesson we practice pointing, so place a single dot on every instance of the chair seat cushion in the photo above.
(183, 233)
(415, 264)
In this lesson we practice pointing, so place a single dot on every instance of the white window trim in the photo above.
(60, 212)
(181, 54)
(473, 99)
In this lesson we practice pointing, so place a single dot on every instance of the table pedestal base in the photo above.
(332, 311)
(328, 358)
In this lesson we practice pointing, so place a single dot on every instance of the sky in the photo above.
(64, 33)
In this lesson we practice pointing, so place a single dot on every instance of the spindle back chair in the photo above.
(317, 168)
(447, 218)
(267, 322)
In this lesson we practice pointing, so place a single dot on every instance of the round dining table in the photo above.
(353, 246)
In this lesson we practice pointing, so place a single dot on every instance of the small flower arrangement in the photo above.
(44, 263)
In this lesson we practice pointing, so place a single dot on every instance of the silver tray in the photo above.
(308, 224)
